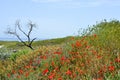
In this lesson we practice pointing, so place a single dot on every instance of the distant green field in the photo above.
(18, 45)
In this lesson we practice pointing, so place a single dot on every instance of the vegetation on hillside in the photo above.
(108, 34)
(94, 55)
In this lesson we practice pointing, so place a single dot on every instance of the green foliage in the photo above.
(51, 41)
(17, 54)
(107, 32)
(19, 46)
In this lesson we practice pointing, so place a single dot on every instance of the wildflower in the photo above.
(18, 76)
(95, 35)
(56, 69)
(78, 44)
(46, 52)
(68, 72)
(58, 52)
(104, 69)
(111, 62)
(72, 45)
(52, 63)
(111, 68)
(34, 67)
(74, 75)
(60, 78)
(21, 71)
(98, 78)
(51, 76)
(45, 71)
(26, 74)
(30, 62)
(46, 64)
(99, 57)
(8, 75)
(87, 47)
(72, 38)
(117, 60)
(13, 71)
(38, 62)
(28, 66)
(82, 64)
(62, 58)
(85, 43)
(81, 72)
(94, 52)
(100, 72)
(43, 57)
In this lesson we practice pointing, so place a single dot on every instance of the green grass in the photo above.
(18, 45)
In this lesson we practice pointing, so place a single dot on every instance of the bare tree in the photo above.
(29, 41)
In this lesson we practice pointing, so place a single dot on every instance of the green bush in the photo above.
(4, 53)
(17, 54)
(107, 32)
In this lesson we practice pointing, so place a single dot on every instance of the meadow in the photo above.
(92, 55)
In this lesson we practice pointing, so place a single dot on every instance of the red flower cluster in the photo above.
(69, 72)
(117, 60)
(78, 44)
(58, 52)
(111, 68)
(45, 71)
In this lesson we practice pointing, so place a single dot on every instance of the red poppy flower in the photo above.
(95, 35)
(59, 78)
(68, 72)
(26, 74)
(51, 76)
(111, 68)
(8, 75)
(62, 58)
(45, 71)
(117, 60)
(78, 44)
(13, 72)
(58, 52)
(21, 71)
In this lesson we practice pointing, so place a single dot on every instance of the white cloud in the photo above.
(82, 3)
(113, 2)
(96, 3)
(85, 4)
(47, 1)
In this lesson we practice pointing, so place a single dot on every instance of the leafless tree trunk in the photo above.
(29, 41)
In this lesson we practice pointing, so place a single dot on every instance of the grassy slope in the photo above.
(87, 58)
(19, 45)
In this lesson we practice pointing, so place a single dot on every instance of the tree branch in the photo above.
(32, 41)
(19, 27)
(21, 40)
(26, 43)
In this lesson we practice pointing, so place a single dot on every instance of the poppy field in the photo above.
(87, 57)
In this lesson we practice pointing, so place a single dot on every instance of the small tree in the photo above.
(29, 41)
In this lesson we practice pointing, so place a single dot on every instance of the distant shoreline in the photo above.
(15, 39)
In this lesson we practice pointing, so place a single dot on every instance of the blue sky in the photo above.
(56, 18)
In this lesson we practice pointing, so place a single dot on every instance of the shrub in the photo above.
(4, 53)
(107, 32)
